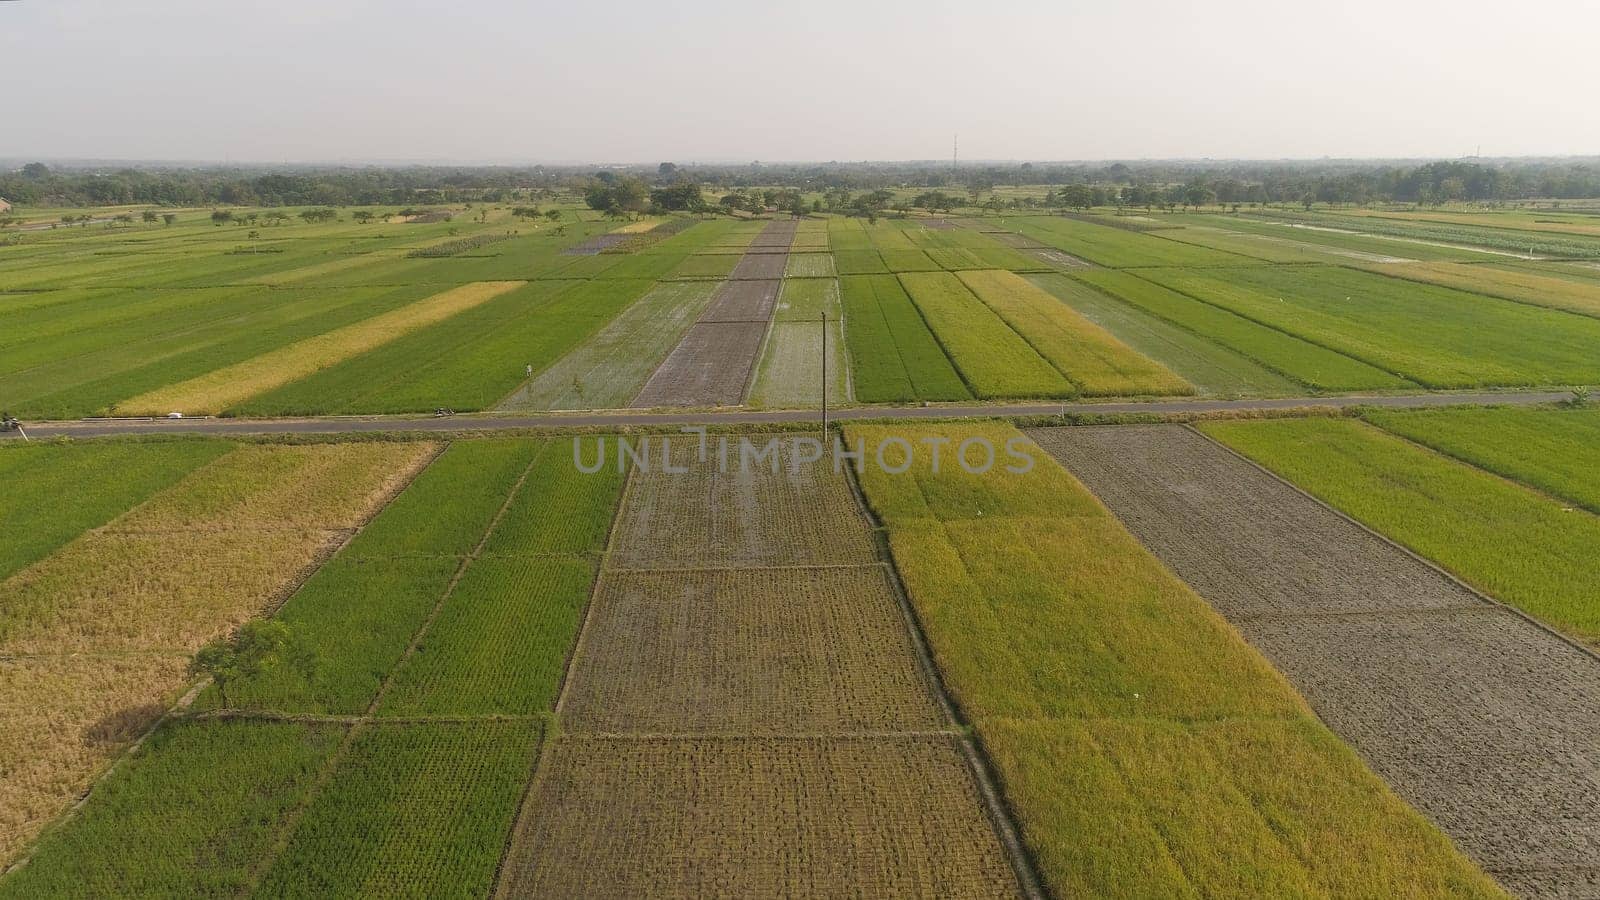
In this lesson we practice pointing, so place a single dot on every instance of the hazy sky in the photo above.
(687, 80)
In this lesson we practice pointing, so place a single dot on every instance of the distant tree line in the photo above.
(841, 186)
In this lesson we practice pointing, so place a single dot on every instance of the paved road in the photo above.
(337, 424)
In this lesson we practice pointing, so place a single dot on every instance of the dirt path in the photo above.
(1486, 722)
(746, 713)
(85, 428)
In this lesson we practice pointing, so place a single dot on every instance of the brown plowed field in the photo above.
(1487, 723)
(735, 730)
(777, 233)
(749, 651)
(743, 301)
(758, 266)
(741, 817)
(596, 245)
(709, 367)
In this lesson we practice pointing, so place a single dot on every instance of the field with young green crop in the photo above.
(439, 633)
(1515, 544)
(286, 317)
(894, 357)
(1435, 336)
(1091, 358)
(1556, 451)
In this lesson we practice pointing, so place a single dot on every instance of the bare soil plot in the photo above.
(760, 266)
(607, 371)
(1487, 723)
(709, 518)
(776, 233)
(743, 301)
(747, 817)
(713, 363)
(710, 367)
(749, 651)
(597, 244)
(1059, 259)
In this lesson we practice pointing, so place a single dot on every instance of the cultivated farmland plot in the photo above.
(1103, 689)
(460, 601)
(716, 682)
(96, 635)
(758, 266)
(710, 367)
(790, 374)
(608, 370)
(1456, 702)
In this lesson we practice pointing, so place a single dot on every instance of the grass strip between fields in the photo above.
(218, 390)
(1144, 747)
(1523, 548)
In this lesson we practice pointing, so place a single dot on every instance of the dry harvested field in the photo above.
(94, 638)
(764, 817)
(743, 301)
(747, 676)
(1484, 721)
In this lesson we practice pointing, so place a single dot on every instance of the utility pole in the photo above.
(955, 144)
(824, 376)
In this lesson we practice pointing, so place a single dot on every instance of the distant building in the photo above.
(5, 205)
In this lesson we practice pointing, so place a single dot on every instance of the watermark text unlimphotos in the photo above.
(743, 454)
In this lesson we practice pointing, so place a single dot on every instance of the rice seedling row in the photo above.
(894, 357)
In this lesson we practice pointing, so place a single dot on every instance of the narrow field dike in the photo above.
(1482, 720)
(222, 388)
